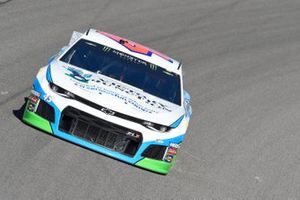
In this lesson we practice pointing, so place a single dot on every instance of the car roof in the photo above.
(134, 49)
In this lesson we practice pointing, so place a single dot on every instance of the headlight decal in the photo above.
(177, 122)
(60, 91)
(156, 127)
(48, 74)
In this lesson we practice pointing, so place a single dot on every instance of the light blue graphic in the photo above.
(78, 75)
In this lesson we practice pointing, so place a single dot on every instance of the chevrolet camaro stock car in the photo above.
(113, 96)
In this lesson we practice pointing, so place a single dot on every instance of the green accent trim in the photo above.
(156, 165)
(36, 121)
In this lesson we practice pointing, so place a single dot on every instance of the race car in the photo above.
(113, 96)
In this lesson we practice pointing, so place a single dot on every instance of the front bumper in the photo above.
(34, 118)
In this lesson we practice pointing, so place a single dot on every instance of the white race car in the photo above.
(113, 96)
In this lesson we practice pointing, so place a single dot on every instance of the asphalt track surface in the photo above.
(241, 62)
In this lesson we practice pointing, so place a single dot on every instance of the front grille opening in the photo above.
(66, 123)
(155, 152)
(99, 131)
(81, 128)
(45, 111)
(92, 133)
(132, 147)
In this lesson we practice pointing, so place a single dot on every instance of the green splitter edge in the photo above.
(35, 120)
(156, 165)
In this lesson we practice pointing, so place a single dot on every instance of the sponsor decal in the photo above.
(153, 67)
(129, 58)
(31, 107)
(87, 82)
(78, 75)
(33, 101)
(33, 98)
(171, 152)
(47, 98)
(108, 111)
(169, 158)
(130, 92)
(125, 99)
(35, 93)
(135, 135)
(106, 49)
(177, 146)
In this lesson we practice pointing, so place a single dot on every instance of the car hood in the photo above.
(114, 95)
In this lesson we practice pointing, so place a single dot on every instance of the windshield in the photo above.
(126, 68)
